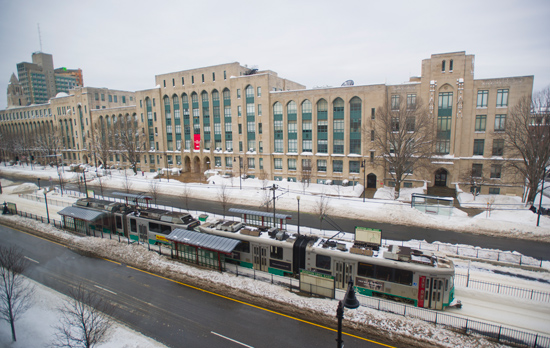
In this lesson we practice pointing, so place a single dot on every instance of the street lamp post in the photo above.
(46, 200)
(298, 199)
(364, 166)
(349, 301)
(85, 184)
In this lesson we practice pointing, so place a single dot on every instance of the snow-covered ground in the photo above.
(35, 327)
(343, 202)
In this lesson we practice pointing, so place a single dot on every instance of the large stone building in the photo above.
(235, 119)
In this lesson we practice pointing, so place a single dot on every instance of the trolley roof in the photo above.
(203, 240)
(81, 213)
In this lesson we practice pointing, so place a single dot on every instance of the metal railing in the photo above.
(495, 332)
(529, 294)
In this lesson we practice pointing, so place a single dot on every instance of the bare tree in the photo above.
(475, 178)
(100, 182)
(101, 146)
(85, 320)
(321, 207)
(185, 194)
(16, 292)
(154, 189)
(126, 181)
(405, 134)
(527, 139)
(305, 174)
(223, 197)
(129, 137)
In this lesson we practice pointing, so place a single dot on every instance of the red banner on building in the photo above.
(421, 291)
(197, 141)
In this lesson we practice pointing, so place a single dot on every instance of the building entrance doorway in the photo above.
(441, 177)
(371, 180)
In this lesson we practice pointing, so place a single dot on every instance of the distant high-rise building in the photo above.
(39, 81)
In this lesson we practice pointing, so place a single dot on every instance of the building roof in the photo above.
(259, 213)
(203, 240)
(81, 213)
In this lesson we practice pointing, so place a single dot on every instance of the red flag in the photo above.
(197, 141)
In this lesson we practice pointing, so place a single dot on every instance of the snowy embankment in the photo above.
(372, 323)
(341, 201)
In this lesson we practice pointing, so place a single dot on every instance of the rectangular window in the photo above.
(479, 144)
(292, 164)
(110, 98)
(259, 109)
(239, 111)
(259, 91)
(323, 262)
(354, 167)
(498, 147)
(337, 166)
(411, 101)
(496, 171)
(395, 102)
(482, 97)
(372, 135)
(494, 191)
(278, 163)
(252, 163)
(502, 98)
(500, 123)
(321, 165)
(213, 76)
(477, 170)
(481, 123)
(102, 97)
(372, 113)
(238, 93)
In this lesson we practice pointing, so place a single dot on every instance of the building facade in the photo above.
(239, 120)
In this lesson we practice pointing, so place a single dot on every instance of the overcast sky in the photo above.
(124, 44)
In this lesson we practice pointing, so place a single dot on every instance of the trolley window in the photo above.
(118, 222)
(365, 270)
(322, 261)
(383, 273)
(165, 229)
(276, 253)
(403, 277)
(133, 225)
(154, 227)
(243, 246)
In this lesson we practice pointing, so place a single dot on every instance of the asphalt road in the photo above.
(169, 312)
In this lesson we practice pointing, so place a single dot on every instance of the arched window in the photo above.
(204, 97)
(355, 126)
(338, 108)
(249, 93)
(291, 108)
(306, 107)
(215, 96)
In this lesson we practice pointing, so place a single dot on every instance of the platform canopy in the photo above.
(203, 240)
(81, 213)
(259, 213)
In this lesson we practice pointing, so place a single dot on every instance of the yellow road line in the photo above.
(261, 308)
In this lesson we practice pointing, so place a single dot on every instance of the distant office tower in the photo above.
(38, 81)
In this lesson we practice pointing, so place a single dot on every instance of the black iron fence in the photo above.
(494, 332)
(530, 294)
